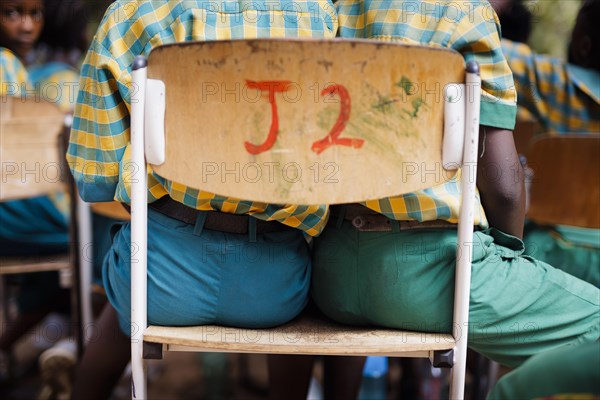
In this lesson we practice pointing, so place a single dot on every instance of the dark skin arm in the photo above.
(500, 181)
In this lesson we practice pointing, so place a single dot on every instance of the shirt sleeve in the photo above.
(100, 131)
(539, 80)
(477, 38)
(13, 74)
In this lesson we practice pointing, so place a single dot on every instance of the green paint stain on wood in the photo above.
(326, 117)
(405, 84)
(416, 104)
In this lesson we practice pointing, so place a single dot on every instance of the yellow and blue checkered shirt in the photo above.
(565, 98)
(13, 75)
(56, 82)
(469, 27)
(99, 144)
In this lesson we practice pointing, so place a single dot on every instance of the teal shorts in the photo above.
(198, 276)
(405, 279)
(34, 227)
(102, 241)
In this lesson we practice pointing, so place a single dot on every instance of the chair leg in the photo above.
(457, 377)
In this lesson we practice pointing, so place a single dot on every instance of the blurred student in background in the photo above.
(48, 37)
(53, 66)
(515, 19)
(36, 225)
(564, 97)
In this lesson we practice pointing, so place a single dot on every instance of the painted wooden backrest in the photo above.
(304, 122)
(524, 133)
(565, 188)
(32, 163)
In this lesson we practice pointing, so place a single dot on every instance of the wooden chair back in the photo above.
(524, 133)
(32, 163)
(301, 126)
(565, 189)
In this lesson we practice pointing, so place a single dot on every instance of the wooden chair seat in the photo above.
(308, 334)
(27, 264)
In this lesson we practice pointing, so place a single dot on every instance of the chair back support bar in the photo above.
(29, 150)
(139, 226)
(304, 122)
(462, 285)
(565, 187)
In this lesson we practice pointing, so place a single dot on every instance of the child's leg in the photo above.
(104, 360)
(343, 376)
(289, 376)
(569, 371)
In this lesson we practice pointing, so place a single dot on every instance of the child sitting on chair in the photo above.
(404, 278)
(565, 98)
(34, 226)
(187, 285)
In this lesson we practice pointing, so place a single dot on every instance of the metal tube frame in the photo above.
(139, 211)
(465, 230)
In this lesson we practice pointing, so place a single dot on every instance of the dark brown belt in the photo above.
(215, 220)
(367, 220)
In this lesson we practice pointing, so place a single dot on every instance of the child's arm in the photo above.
(500, 181)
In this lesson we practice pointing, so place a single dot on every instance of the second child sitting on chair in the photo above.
(404, 279)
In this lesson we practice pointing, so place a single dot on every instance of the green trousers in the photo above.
(405, 279)
(568, 372)
(578, 259)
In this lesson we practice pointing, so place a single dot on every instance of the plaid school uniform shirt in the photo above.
(99, 143)
(472, 29)
(565, 98)
(13, 75)
(56, 82)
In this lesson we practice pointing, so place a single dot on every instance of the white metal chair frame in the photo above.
(461, 134)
